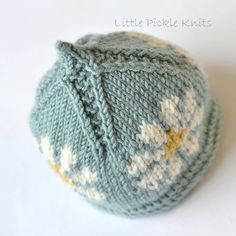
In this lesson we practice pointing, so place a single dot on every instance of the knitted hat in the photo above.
(127, 121)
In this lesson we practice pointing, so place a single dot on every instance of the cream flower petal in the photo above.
(191, 144)
(170, 112)
(85, 176)
(152, 179)
(190, 105)
(152, 133)
(91, 193)
(197, 119)
(67, 159)
(175, 164)
(47, 149)
(140, 162)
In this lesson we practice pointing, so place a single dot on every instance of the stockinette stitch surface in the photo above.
(127, 121)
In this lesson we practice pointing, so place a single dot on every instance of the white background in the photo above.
(32, 199)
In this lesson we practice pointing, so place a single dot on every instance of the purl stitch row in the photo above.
(127, 121)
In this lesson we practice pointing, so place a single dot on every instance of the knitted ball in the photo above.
(126, 120)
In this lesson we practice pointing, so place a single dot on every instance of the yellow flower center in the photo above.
(174, 140)
(64, 178)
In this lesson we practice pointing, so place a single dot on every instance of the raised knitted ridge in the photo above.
(126, 120)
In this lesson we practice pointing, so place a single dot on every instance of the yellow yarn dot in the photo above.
(64, 178)
(174, 140)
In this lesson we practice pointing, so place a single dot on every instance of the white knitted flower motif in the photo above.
(47, 149)
(68, 159)
(67, 162)
(164, 165)
(85, 177)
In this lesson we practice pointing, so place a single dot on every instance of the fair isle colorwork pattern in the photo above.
(127, 121)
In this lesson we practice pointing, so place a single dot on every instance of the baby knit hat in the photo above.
(126, 120)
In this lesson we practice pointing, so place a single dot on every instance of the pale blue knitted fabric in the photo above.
(127, 121)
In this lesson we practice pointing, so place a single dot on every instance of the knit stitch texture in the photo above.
(126, 120)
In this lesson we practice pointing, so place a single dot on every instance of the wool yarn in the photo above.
(127, 121)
